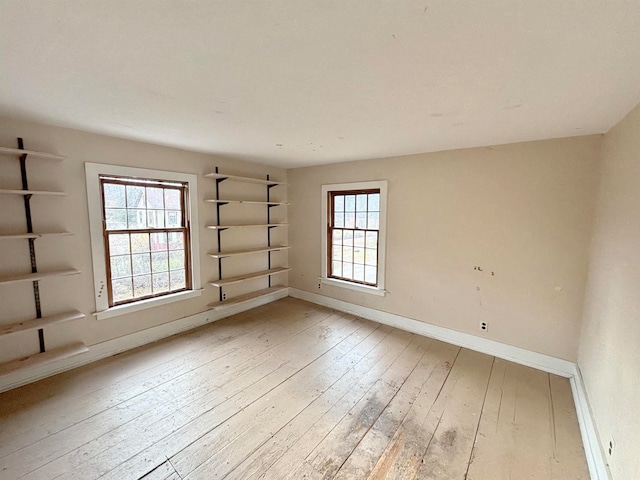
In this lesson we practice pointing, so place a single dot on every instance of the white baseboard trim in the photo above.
(133, 340)
(522, 356)
(595, 457)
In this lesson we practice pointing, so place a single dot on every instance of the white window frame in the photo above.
(382, 236)
(93, 172)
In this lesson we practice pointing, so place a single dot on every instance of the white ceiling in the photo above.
(295, 83)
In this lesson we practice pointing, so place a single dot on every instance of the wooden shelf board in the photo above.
(246, 297)
(222, 227)
(32, 277)
(34, 235)
(251, 202)
(244, 179)
(30, 192)
(248, 276)
(38, 359)
(37, 323)
(248, 250)
(31, 153)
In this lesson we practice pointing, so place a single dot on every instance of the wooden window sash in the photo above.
(331, 228)
(185, 229)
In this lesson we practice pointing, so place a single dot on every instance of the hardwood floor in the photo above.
(293, 390)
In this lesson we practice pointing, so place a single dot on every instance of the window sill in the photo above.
(145, 304)
(354, 286)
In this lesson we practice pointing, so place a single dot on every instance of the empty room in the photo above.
(319, 239)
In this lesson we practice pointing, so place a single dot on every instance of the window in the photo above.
(354, 235)
(144, 253)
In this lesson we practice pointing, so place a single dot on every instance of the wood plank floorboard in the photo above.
(292, 390)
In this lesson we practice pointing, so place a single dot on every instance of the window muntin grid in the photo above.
(353, 236)
(146, 238)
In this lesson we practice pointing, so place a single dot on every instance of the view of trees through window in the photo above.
(354, 223)
(146, 238)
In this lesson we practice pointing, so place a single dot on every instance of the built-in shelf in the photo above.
(224, 227)
(41, 321)
(37, 359)
(34, 277)
(31, 153)
(30, 192)
(246, 297)
(251, 202)
(37, 323)
(234, 253)
(243, 179)
(248, 276)
(33, 235)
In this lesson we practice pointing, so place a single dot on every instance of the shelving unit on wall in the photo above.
(267, 249)
(35, 277)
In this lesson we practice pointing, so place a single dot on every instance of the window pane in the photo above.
(347, 254)
(372, 239)
(358, 239)
(122, 290)
(347, 270)
(371, 256)
(337, 237)
(142, 285)
(336, 252)
(370, 274)
(176, 260)
(338, 220)
(337, 269)
(141, 263)
(338, 203)
(114, 196)
(177, 279)
(137, 218)
(374, 202)
(135, 197)
(358, 255)
(361, 220)
(373, 221)
(350, 203)
(358, 272)
(160, 282)
(155, 218)
(347, 237)
(361, 203)
(139, 242)
(116, 218)
(174, 219)
(120, 266)
(172, 199)
(119, 244)
(176, 240)
(155, 197)
(350, 220)
(160, 261)
(159, 241)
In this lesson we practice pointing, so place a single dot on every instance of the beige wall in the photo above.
(522, 211)
(71, 213)
(610, 345)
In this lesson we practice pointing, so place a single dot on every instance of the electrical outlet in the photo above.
(610, 447)
(484, 326)
(319, 285)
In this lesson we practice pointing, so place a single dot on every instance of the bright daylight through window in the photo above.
(146, 235)
(353, 230)
(354, 216)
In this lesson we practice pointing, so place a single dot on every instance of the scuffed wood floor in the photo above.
(293, 390)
